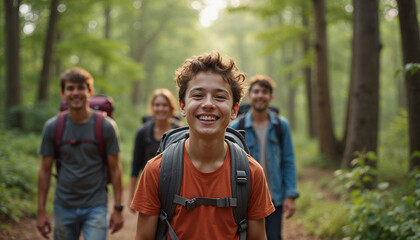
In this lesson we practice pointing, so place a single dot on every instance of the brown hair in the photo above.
(168, 96)
(211, 62)
(262, 80)
(76, 75)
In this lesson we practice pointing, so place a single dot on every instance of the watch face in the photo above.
(119, 208)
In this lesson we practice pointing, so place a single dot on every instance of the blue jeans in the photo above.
(273, 224)
(70, 222)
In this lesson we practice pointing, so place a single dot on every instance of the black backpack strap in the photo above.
(170, 179)
(149, 132)
(279, 131)
(241, 123)
(241, 186)
(58, 139)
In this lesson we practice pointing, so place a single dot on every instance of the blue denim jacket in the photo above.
(281, 162)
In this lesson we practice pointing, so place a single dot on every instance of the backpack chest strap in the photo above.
(76, 142)
(191, 204)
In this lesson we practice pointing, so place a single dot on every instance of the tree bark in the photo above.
(411, 54)
(291, 90)
(12, 41)
(363, 130)
(324, 122)
(345, 162)
(48, 52)
(107, 32)
(307, 72)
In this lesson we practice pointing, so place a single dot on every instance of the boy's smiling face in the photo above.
(208, 104)
(76, 95)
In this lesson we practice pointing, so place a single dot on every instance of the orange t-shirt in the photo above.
(203, 222)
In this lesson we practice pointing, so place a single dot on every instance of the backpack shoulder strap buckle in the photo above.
(190, 204)
(241, 177)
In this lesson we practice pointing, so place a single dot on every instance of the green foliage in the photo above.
(319, 215)
(360, 175)
(378, 213)
(393, 150)
(17, 174)
(411, 68)
(34, 115)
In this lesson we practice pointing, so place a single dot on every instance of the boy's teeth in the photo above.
(207, 118)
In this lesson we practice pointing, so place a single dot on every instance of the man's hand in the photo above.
(43, 224)
(289, 207)
(116, 222)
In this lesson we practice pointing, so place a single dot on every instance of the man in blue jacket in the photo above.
(270, 143)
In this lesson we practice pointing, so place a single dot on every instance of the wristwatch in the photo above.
(119, 208)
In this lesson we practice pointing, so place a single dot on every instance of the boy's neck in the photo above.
(80, 115)
(206, 155)
(260, 118)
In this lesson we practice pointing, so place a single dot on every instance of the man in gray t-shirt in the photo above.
(80, 201)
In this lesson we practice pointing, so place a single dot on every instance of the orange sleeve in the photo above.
(260, 205)
(146, 199)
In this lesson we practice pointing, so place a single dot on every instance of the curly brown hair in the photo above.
(211, 62)
(262, 80)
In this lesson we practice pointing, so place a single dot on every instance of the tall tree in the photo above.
(290, 57)
(363, 130)
(307, 72)
(107, 30)
(346, 162)
(12, 40)
(327, 140)
(48, 52)
(411, 54)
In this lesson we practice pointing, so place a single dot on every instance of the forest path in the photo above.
(25, 229)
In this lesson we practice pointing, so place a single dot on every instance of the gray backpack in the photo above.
(172, 146)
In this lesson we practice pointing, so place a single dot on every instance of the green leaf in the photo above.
(397, 73)
(415, 154)
(372, 219)
(383, 185)
(393, 228)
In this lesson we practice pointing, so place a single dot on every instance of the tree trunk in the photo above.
(307, 71)
(107, 32)
(324, 122)
(346, 162)
(401, 95)
(291, 90)
(411, 54)
(57, 62)
(48, 52)
(363, 130)
(12, 40)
